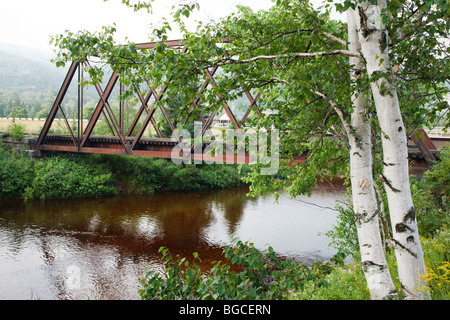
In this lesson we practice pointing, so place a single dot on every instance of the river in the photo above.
(99, 249)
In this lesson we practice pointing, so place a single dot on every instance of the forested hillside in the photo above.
(29, 83)
(26, 86)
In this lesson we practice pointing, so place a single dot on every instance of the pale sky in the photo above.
(31, 22)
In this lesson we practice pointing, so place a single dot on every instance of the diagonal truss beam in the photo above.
(99, 109)
(56, 105)
(144, 106)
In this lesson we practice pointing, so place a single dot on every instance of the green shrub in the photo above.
(16, 173)
(147, 175)
(431, 196)
(16, 130)
(343, 236)
(69, 177)
(258, 275)
(138, 175)
(345, 283)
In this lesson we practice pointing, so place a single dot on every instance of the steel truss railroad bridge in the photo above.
(81, 140)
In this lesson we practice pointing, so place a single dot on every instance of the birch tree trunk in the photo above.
(365, 206)
(373, 38)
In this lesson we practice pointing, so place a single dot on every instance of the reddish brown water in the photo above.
(99, 249)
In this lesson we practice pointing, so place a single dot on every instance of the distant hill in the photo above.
(28, 79)
(27, 52)
(23, 68)
(18, 73)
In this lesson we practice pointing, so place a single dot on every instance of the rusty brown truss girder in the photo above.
(422, 149)
(122, 141)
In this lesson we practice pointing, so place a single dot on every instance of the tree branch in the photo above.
(289, 55)
(334, 38)
(337, 109)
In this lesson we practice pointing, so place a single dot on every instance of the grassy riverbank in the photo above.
(90, 176)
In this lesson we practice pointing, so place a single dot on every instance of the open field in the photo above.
(31, 126)
(58, 126)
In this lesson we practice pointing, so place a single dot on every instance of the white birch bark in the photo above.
(373, 38)
(365, 206)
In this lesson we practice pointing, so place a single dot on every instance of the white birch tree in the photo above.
(395, 176)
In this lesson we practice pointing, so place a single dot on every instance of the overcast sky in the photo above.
(31, 22)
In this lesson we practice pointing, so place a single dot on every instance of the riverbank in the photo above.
(72, 176)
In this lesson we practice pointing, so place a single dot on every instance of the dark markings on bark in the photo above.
(404, 248)
(367, 266)
(402, 227)
(364, 217)
(392, 295)
(405, 292)
(388, 183)
(366, 31)
(357, 153)
(400, 129)
(410, 215)
(383, 41)
(388, 164)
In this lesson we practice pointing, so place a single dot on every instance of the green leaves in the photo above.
(16, 173)
(185, 10)
(65, 178)
(259, 275)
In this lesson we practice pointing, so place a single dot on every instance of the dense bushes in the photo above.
(88, 176)
(143, 175)
(16, 173)
(69, 177)
(431, 195)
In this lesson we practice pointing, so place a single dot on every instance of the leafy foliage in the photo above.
(248, 274)
(431, 195)
(61, 177)
(16, 130)
(437, 261)
(146, 175)
(16, 173)
(343, 235)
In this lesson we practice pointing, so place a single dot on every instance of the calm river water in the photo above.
(99, 249)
